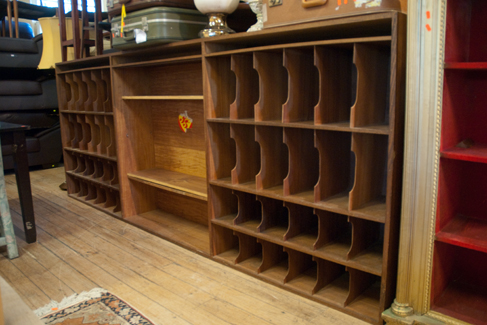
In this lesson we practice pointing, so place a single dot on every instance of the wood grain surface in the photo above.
(80, 248)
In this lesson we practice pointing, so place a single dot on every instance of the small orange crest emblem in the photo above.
(185, 122)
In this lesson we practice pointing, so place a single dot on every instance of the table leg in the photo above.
(6, 224)
(16, 18)
(23, 186)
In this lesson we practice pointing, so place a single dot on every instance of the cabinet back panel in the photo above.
(175, 79)
(464, 100)
(170, 80)
(459, 283)
(183, 160)
(465, 31)
(462, 191)
(175, 149)
(165, 116)
(183, 206)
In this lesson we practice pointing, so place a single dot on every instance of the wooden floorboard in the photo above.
(80, 248)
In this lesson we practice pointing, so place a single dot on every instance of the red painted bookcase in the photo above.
(459, 287)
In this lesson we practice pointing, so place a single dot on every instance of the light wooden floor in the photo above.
(80, 248)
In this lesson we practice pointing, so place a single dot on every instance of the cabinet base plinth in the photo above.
(401, 309)
(391, 318)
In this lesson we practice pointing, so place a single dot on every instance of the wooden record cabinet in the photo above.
(291, 171)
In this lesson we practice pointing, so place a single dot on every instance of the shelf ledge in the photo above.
(67, 111)
(179, 97)
(466, 65)
(180, 183)
(339, 126)
(465, 232)
(89, 153)
(476, 153)
(94, 180)
(374, 210)
(98, 206)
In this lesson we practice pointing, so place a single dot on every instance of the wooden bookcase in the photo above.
(292, 169)
(162, 169)
(88, 133)
(304, 158)
(459, 286)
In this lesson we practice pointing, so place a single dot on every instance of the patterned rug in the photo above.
(97, 307)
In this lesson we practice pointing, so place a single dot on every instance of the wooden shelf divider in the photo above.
(273, 88)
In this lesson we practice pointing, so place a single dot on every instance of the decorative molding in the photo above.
(445, 319)
(426, 28)
(391, 319)
(439, 103)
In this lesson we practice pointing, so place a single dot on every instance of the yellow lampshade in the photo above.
(51, 51)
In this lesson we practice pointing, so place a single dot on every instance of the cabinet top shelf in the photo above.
(346, 42)
(105, 67)
(90, 63)
(367, 25)
(65, 111)
(178, 97)
(157, 61)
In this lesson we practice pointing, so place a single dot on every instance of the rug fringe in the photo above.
(54, 306)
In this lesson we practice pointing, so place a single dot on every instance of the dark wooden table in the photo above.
(14, 135)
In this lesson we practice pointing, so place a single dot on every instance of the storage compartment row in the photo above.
(88, 90)
(459, 284)
(462, 204)
(339, 238)
(92, 168)
(93, 133)
(97, 195)
(344, 85)
(463, 134)
(329, 282)
(339, 170)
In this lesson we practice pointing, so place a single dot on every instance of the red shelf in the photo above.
(476, 153)
(465, 232)
(463, 301)
(466, 65)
